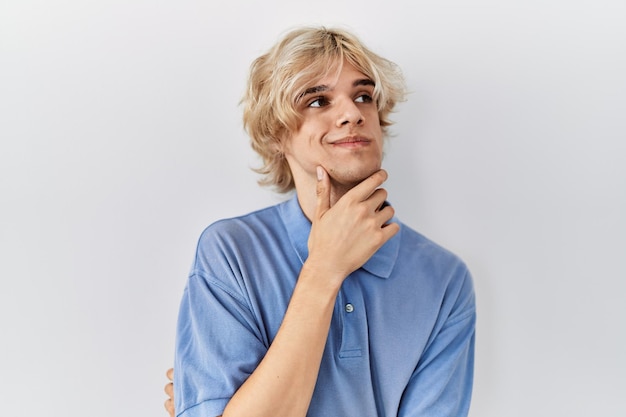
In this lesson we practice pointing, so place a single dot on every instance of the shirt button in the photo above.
(349, 308)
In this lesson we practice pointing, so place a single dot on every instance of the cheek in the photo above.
(293, 143)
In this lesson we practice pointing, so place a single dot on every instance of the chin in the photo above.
(350, 178)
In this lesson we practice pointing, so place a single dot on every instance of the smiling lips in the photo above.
(351, 141)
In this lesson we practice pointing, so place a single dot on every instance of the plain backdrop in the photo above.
(121, 139)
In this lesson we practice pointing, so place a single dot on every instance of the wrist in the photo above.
(322, 275)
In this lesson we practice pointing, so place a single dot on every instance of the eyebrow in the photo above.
(324, 87)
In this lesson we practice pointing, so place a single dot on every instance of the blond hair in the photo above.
(279, 78)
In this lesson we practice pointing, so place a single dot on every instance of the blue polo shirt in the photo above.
(401, 340)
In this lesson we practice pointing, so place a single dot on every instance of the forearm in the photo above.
(342, 238)
(283, 383)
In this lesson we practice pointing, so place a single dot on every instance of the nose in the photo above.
(348, 113)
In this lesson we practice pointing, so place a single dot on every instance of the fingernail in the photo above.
(320, 173)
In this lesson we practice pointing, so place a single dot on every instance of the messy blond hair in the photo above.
(279, 78)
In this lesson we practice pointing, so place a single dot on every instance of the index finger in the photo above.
(363, 190)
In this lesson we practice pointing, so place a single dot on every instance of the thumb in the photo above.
(323, 192)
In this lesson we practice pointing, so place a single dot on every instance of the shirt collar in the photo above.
(298, 228)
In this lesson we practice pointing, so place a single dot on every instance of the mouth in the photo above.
(351, 141)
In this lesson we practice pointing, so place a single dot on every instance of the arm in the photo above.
(441, 384)
(342, 239)
(223, 362)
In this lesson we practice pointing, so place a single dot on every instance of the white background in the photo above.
(121, 139)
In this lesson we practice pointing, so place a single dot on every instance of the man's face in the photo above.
(340, 130)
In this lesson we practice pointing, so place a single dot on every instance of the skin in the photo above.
(169, 390)
(335, 157)
(340, 131)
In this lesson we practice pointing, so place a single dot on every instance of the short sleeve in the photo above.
(441, 384)
(218, 346)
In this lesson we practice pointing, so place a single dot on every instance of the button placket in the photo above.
(353, 321)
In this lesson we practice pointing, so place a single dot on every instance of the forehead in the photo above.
(344, 72)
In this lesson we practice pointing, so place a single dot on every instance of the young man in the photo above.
(324, 305)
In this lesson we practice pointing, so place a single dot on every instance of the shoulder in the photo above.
(438, 269)
(422, 249)
(433, 265)
(227, 244)
(251, 224)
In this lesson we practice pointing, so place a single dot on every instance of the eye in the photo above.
(318, 102)
(364, 98)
